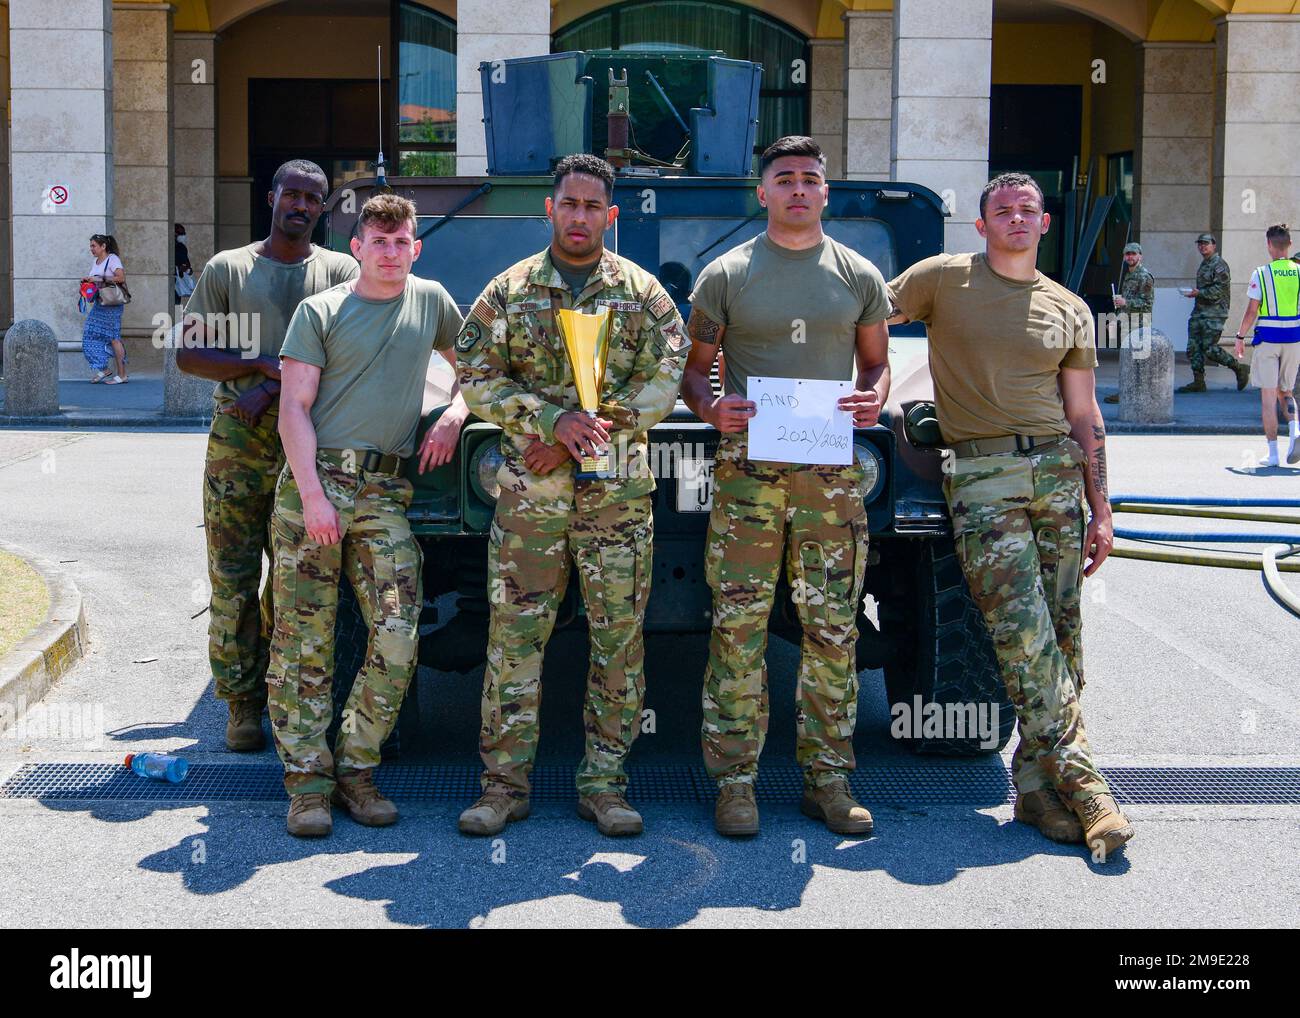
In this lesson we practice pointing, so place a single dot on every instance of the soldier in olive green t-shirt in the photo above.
(792, 303)
(235, 322)
(353, 365)
(372, 355)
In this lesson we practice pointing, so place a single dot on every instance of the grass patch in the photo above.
(23, 600)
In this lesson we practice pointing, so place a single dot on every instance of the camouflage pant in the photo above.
(382, 562)
(530, 550)
(812, 518)
(1019, 526)
(243, 463)
(1203, 343)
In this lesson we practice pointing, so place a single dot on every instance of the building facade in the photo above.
(125, 117)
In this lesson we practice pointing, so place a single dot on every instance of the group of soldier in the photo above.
(307, 447)
(1273, 310)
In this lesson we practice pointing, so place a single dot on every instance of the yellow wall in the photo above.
(1062, 54)
(275, 46)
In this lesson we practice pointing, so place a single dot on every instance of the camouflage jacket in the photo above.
(514, 372)
(1215, 283)
(1138, 291)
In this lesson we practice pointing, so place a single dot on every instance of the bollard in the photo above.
(31, 366)
(183, 395)
(1146, 378)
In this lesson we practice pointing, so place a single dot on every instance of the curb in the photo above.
(39, 660)
(101, 420)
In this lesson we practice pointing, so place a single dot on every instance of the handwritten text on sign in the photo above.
(796, 421)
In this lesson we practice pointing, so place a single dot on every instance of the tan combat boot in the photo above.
(1043, 808)
(492, 812)
(1197, 384)
(611, 812)
(1105, 828)
(359, 796)
(309, 815)
(736, 813)
(832, 804)
(1243, 374)
(244, 729)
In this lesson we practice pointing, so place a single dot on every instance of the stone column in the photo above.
(142, 171)
(941, 81)
(6, 260)
(194, 137)
(1256, 141)
(826, 94)
(868, 85)
(61, 158)
(490, 30)
(1172, 161)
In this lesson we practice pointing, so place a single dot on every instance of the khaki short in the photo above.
(1274, 363)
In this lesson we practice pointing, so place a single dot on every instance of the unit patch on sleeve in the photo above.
(470, 334)
(660, 306)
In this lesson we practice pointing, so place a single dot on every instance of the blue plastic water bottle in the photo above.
(159, 766)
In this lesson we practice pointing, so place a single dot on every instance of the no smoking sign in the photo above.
(55, 197)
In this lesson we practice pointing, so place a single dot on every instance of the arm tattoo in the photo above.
(1097, 461)
(701, 328)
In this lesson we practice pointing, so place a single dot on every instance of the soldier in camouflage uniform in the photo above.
(1137, 295)
(808, 518)
(1213, 296)
(514, 372)
(1022, 468)
(244, 295)
(354, 364)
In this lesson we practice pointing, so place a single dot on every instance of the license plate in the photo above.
(695, 486)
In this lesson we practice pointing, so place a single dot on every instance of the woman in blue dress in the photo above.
(101, 339)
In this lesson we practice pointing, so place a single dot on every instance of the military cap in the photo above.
(1133, 247)
(1206, 238)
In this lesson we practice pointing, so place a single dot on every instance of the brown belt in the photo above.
(1003, 444)
(359, 460)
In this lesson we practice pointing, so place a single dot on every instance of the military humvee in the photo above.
(925, 632)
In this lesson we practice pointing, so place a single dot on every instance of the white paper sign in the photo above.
(797, 421)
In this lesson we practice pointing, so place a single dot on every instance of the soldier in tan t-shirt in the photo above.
(1012, 356)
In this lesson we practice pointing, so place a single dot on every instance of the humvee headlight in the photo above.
(873, 468)
(483, 471)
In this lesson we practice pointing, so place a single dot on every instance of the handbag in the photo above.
(112, 295)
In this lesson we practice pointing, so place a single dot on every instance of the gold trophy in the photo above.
(586, 340)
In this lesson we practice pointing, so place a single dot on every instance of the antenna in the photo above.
(380, 170)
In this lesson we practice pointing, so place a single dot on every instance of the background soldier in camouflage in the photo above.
(245, 294)
(514, 372)
(790, 303)
(1022, 468)
(354, 365)
(1213, 296)
(1137, 295)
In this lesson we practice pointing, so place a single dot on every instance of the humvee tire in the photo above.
(350, 636)
(946, 655)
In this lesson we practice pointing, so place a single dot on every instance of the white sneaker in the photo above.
(1270, 460)
(1293, 451)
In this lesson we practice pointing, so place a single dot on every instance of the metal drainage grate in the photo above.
(960, 783)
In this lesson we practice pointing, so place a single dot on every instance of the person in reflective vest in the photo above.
(1274, 309)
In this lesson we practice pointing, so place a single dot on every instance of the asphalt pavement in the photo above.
(1187, 669)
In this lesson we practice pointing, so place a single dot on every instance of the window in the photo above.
(426, 92)
(739, 32)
